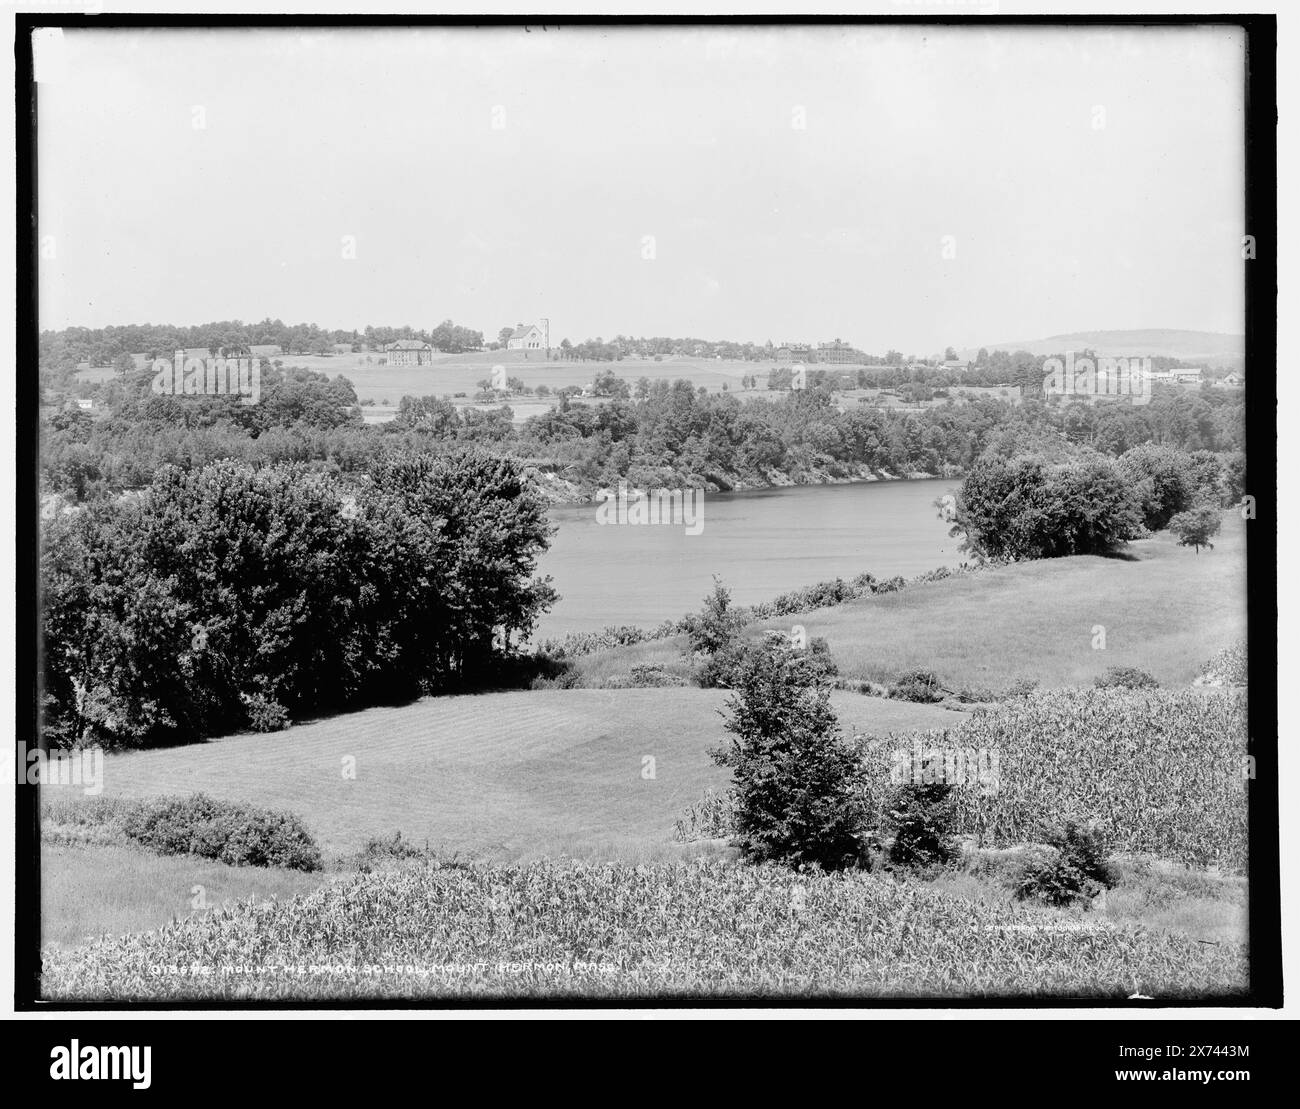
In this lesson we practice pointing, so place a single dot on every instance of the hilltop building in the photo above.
(409, 352)
(533, 336)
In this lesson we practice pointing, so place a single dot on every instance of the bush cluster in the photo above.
(922, 686)
(232, 597)
(237, 834)
(1125, 677)
(1077, 871)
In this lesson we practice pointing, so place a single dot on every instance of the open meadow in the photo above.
(1163, 608)
(500, 775)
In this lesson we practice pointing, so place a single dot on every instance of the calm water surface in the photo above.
(761, 543)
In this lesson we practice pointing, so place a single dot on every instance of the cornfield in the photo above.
(707, 928)
(1162, 771)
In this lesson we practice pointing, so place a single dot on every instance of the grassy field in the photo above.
(91, 890)
(1165, 609)
(461, 373)
(505, 776)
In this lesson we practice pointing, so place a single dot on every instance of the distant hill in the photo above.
(1209, 348)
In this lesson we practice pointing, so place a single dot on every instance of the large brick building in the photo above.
(409, 352)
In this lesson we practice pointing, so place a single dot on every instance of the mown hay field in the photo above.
(703, 929)
(503, 775)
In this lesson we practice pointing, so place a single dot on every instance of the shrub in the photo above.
(798, 784)
(653, 676)
(265, 714)
(922, 818)
(917, 685)
(717, 625)
(1228, 667)
(1126, 677)
(819, 664)
(1021, 687)
(718, 670)
(1077, 871)
(567, 678)
(241, 835)
(378, 850)
(975, 695)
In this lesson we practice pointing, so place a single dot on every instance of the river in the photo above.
(761, 543)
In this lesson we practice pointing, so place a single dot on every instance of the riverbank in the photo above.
(562, 491)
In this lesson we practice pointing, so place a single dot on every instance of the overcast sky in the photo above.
(1089, 179)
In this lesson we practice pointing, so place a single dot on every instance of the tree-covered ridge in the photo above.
(652, 434)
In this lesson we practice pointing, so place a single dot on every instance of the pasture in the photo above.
(461, 373)
(1163, 608)
(499, 776)
(94, 889)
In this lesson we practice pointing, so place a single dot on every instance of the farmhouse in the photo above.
(528, 337)
(1190, 375)
(409, 352)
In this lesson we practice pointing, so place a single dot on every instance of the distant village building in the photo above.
(85, 402)
(409, 352)
(956, 365)
(837, 353)
(795, 352)
(533, 336)
(833, 353)
(1232, 381)
(1190, 375)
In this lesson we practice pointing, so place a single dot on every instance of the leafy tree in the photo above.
(1024, 508)
(230, 596)
(1163, 481)
(799, 786)
(1197, 526)
(717, 625)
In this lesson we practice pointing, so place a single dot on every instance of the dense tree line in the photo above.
(60, 352)
(655, 434)
(1027, 507)
(228, 596)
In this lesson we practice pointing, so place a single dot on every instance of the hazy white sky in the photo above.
(498, 176)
